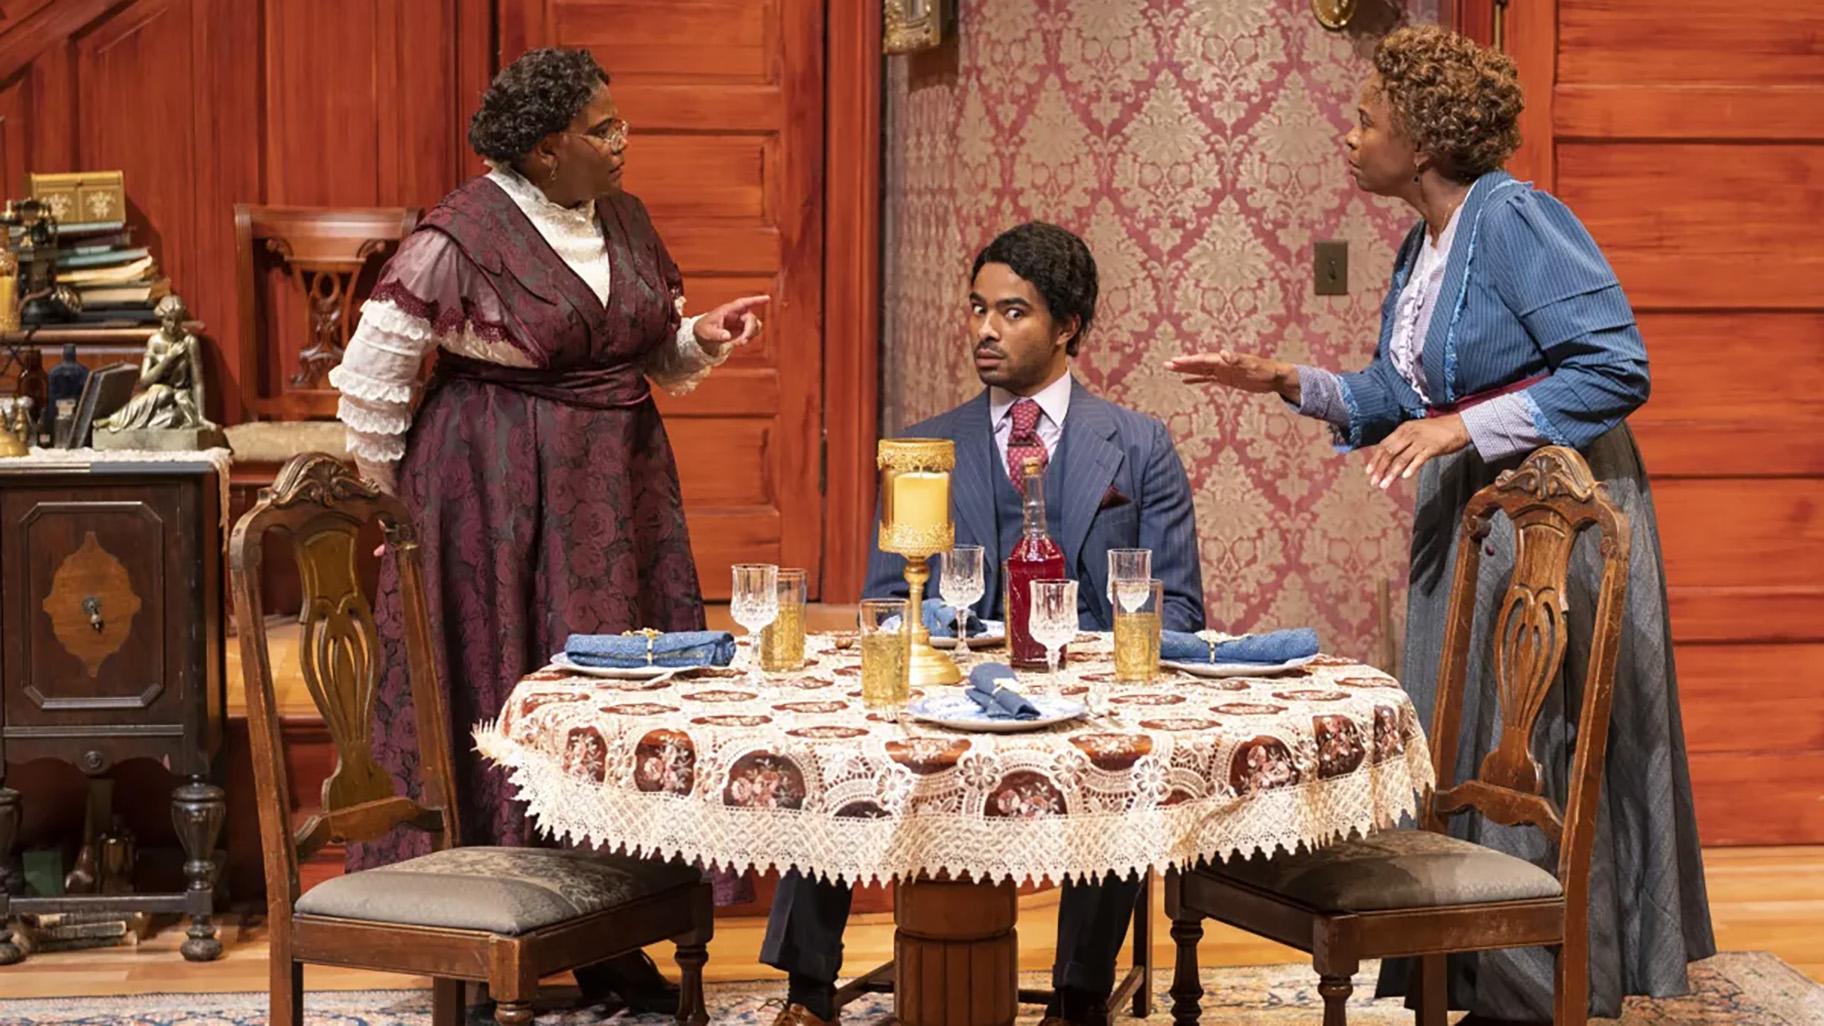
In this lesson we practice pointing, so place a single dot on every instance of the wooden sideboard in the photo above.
(112, 627)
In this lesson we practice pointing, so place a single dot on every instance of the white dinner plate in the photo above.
(994, 633)
(1235, 669)
(958, 711)
(562, 661)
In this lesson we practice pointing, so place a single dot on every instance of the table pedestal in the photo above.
(955, 954)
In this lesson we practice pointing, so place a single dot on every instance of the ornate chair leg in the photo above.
(1335, 991)
(197, 811)
(692, 1011)
(1187, 930)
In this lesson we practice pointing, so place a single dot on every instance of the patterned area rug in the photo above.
(1736, 989)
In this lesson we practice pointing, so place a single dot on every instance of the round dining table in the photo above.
(708, 766)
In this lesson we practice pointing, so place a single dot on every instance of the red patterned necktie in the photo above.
(1024, 443)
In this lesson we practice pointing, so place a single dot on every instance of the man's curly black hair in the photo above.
(540, 93)
(1057, 263)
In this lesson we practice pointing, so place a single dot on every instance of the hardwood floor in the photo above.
(1766, 899)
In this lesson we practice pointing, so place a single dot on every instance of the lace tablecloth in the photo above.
(798, 774)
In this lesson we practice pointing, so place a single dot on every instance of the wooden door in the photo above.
(725, 101)
(1689, 139)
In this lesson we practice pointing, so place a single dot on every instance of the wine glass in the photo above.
(1053, 621)
(960, 584)
(754, 604)
(1129, 570)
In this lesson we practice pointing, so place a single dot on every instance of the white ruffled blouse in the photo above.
(379, 374)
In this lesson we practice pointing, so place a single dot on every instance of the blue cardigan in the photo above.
(1526, 292)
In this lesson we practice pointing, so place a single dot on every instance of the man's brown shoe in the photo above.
(798, 1015)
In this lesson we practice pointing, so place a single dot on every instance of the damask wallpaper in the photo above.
(1197, 146)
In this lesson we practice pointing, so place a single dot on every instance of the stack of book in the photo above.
(93, 252)
(71, 931)
(116, 279)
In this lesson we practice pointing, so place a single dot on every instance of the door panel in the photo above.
(725, 100)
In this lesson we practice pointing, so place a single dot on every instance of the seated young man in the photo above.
(1113, 479)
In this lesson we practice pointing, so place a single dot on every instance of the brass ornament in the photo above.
(1334, 15)
(911, 25)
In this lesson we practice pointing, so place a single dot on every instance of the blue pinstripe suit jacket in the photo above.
(1104, 447)
(1526, 293)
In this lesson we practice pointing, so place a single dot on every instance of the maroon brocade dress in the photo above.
(546, 494)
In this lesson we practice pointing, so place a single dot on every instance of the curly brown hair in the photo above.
(1456, 102)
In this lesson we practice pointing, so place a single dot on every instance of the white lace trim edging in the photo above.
(385, 448)
(375, 419)
(361, 386)
(575, 809)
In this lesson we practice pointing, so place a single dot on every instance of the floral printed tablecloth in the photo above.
(798, 773)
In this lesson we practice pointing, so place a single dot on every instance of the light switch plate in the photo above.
(1330, 268)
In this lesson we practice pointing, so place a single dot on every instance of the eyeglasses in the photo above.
(614, 134)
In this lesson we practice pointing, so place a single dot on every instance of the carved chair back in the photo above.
(1550, 499)
(322, 506)
(311, 265)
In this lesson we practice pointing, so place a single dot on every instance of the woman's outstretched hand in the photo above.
(1242, 371)
(731, 324)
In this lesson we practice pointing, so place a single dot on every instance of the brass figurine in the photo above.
(168, 411)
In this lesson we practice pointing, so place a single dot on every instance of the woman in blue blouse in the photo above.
(1505, 330)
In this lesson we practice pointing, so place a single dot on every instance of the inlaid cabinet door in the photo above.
(95, 580)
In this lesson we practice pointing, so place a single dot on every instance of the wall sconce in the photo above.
(1334, 15)
(911, 25)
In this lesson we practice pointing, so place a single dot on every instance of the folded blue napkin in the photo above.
(1269, 649)
(940, 620)
(677, 648)
(990, 688)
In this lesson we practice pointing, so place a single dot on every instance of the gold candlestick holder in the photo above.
(915, 523)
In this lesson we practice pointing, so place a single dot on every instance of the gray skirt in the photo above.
(1649, 915)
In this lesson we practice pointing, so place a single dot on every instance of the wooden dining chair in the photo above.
(494, 915)
(1423, 893)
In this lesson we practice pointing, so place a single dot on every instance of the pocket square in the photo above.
(1113, 498)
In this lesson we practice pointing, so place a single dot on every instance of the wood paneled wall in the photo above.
(206, 103)
(203, 103)
(1689, 137)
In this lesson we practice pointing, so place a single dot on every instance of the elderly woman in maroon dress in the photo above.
(535, 461)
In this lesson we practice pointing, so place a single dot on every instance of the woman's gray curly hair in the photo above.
(1456, 102)
(540, 93)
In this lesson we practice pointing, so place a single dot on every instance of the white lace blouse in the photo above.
(379, 374)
